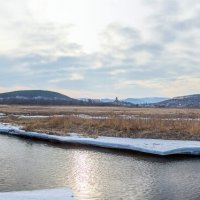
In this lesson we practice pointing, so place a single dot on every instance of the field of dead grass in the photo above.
(119, 122)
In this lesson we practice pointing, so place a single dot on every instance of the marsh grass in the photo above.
(114, 126)
(144, 123)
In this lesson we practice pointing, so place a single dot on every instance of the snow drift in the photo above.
(153, 146)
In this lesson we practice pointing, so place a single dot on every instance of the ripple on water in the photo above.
(94, 173)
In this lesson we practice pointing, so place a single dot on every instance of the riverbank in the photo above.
(147, 123)
(152, 146)
(48, 194)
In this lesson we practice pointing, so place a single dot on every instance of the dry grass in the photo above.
(114, 126)
(101, 111)
(148, 122)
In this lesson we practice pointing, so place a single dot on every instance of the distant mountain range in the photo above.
(42, 97)
(147, 100)
(138, 101)
(189, 101)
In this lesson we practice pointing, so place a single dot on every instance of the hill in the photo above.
(37, 97)
(189, 101)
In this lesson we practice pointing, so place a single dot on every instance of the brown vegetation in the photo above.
(143, 122)
(101, 111)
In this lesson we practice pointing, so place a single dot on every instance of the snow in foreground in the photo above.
(153, 146)
(50, 194)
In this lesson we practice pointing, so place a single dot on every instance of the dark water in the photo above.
(96, 173)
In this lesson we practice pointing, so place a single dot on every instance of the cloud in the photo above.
(152, 58)
(23, 34)
(76, 77)
(40, 39)
(185, 84)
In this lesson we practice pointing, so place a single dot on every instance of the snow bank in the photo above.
(153, 146)
(50, 194)
(9, 127)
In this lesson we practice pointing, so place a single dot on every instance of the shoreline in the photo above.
(150, 146)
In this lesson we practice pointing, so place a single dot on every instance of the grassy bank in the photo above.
(119, 122)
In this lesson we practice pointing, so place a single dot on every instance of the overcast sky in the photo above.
(101, 48)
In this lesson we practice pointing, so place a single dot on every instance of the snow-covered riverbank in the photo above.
(153, 146)
(48, 194)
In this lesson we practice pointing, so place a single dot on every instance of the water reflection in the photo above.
(85, 174)
(96, 174)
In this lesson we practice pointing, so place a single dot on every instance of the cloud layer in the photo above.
(154, 52)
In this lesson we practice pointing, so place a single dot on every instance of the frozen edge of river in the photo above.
(152, 146)
(47, 194)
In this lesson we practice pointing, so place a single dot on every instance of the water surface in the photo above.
(94, 173)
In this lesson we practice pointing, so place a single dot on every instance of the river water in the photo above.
(94, 173)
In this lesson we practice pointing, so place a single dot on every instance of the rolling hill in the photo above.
(189, 101)
(37, 97)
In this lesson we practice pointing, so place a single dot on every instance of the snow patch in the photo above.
(9, 127)
(153, 146)
(83, 116)
(2, 115)
(32, 116)
(48, 194)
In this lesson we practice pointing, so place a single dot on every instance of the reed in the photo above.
(160, 123)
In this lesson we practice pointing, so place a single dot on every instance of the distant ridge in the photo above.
(188, 101)
(147, 100)
(42, 97)
(134, 101)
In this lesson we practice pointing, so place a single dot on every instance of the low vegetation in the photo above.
(118, 122)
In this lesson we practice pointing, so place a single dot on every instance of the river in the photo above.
(94, 173)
